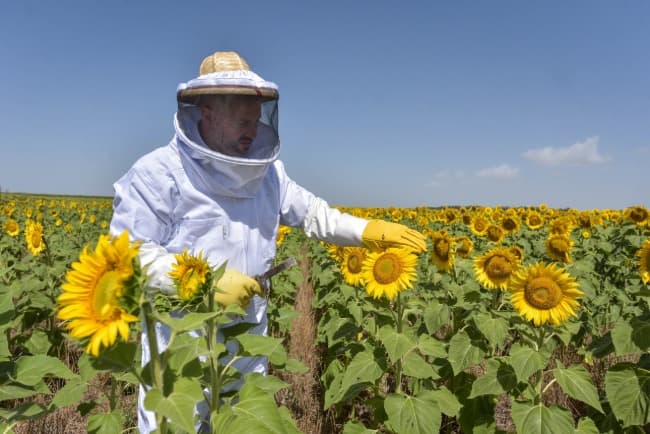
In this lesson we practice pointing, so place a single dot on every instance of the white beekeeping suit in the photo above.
(187, 195)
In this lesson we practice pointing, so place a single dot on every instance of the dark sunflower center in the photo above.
(509, 224)
(464, 248)
(543, 293)
(387, 268)
(36, 240)
(441, 247)
(354, 263)
(498, 267)
(638, 215)
(107, 291)
(494, 233)
(534, 220)
(480, 225)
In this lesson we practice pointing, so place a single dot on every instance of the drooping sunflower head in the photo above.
(544, 294)
(494, 233)
(190, 275)
(351, 265)
(387, 273)
(558, 247)
(98, 293)
(442, 254)
(585, 220)
(34, 237)
(464, 246)
(638, 214)
(12, 228)
(494, 269)
(644, 261)
(560, 226)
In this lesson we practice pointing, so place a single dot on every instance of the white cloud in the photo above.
(502, 171)
(579, 153)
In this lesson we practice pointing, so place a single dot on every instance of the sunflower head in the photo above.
(351, 265)
(34, 237)
(12, 228)
(510, 223)
(442, 254)
(494, 269)
(464, 246)
(190, 275)
(479, 225)
(544, 294)
(534, 220)
(558, 247)
(387, 273)
(100, 293)
(638, 214)
(518, 252)
(494, 233)
(644, 261)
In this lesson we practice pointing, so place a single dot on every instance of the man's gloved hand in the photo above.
(236, 288)
(380, 234)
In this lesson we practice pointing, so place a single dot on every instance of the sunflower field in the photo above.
(515, 319)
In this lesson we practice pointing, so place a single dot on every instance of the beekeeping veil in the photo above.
(227, 74)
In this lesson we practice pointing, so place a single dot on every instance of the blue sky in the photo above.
(381, 103)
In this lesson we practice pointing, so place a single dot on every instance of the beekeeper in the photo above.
(219, 187)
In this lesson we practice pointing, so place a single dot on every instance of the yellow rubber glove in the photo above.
(236, 288)
(380, 234)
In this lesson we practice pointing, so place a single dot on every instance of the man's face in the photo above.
(229, 124)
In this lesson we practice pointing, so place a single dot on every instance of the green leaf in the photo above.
(18, 391)
(526, 361)
(631, 337)
(463, 353)
(413, 414)
(586, 426)
(38, 342)
(118, 357)
(447, 401)
(268, 383)
(415, 366)
(533, 419)
(29, 410)
(70, 394)
(189, 322)
(435, 316)
(396, 344)
(258, 345)
(577, 383)
(362, 371)
(178, 407)
(296, 366)
(352, 427)
(430, 346)
(30, 370)
(496, 330)
(105, 423)
(499, 378)
(626, 387)
(256, 412)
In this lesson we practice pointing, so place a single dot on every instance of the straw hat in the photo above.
(214, 78)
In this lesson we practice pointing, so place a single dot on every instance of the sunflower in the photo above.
(638, 214)
(510, 223)
(12, 228)
(336, 252)
(34, 237)
(494, 269)
(388, 272)
(544, 294)
(494, 233)
(94, 291)
(534, 220)
(282, 231)
(465, 246)
(351, 265)
(644, 262)
(558, 247)
(517, 251)
(479, 225)
(443, 253)
(189, 274)
(560, 226)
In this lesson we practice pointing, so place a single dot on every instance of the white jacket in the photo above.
(184, 195)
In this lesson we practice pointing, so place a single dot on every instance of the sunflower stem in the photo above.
(156, 367)
(398, 365)
(215, 378)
